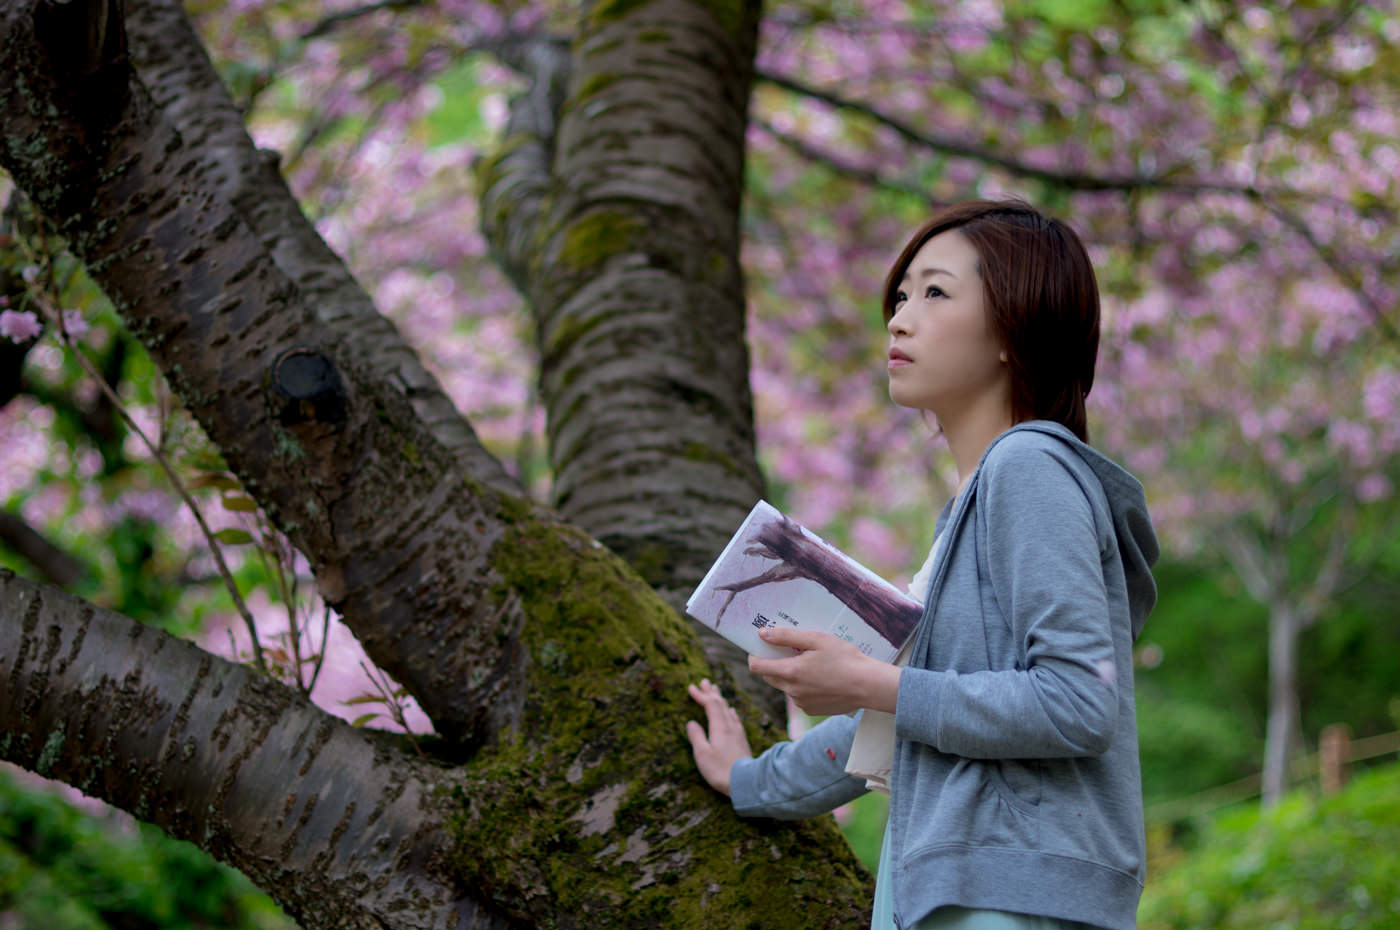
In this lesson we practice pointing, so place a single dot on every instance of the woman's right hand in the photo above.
(724, 743)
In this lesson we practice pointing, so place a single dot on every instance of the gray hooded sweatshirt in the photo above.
(1016, 783)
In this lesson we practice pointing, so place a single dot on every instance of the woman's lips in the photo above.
(898, 359)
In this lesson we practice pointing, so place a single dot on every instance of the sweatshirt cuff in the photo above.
(918, 708)
(743, 785)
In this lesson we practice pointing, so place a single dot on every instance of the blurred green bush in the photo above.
(1307, 863)
(63, 869)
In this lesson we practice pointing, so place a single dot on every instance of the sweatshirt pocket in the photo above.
(1019, 782)
(977, 807)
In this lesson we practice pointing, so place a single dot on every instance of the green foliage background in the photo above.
(62, 869)
(1304, 864)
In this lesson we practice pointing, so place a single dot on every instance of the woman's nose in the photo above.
(896, 326)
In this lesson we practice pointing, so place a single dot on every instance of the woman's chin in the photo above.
(905, 399)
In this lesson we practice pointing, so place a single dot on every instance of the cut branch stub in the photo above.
(308, 388)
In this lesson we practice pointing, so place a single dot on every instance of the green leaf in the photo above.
(211, 480)
(364, 699)
(233, 536)
(240, 504)
(362, 720)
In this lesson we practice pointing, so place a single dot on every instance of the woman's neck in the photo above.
(970, 434)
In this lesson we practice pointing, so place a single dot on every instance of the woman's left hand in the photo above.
(829, 675)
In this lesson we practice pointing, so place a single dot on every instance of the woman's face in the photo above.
(944, 355)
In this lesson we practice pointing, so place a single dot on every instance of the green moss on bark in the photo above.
(594, 816)
(593, 86)
(607, 11)
(592, 239)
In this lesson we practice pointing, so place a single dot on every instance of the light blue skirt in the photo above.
(954, 918)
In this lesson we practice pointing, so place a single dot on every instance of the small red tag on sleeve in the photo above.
(831, 753)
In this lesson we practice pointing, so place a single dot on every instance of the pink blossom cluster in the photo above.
(341, 686)
(19, 325)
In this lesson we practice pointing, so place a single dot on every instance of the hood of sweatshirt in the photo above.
(1127, 502)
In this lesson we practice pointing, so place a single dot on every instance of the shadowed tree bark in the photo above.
(563, 793)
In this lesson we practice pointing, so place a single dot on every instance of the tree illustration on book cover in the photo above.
(775, 571)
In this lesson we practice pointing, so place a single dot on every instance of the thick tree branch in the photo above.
(53, 563)
(625, 228)
(184, 85)
(344, 832)
(310, 412)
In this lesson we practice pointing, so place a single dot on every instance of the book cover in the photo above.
(774, 571)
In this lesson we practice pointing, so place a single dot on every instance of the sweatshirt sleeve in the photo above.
(1043, 556)
(801, 778)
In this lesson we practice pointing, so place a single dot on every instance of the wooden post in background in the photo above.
(1334, 745)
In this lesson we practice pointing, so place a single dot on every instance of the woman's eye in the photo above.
(934, 291)
(900, 297)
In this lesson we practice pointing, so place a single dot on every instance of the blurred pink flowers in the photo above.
(19, 325)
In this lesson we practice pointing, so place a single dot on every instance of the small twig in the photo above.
(1068, 180)
(1335, 265)
(321, 656)
(859, 173)
(336, 20)
(380, 680)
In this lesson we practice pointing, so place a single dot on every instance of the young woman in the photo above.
(1005, 734)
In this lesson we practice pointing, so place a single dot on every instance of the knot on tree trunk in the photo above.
(307, 389)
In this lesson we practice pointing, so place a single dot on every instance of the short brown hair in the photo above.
(1043, 298)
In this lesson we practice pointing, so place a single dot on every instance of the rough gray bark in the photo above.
(349, 831)
(617, 218)
(140, 184)
(176, 71)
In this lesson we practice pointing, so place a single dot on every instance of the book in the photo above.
(776, 572)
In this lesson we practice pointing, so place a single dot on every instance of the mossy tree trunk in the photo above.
(563, 794)
(614, 204)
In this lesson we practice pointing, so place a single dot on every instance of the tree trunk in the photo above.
(614, 205)
(567, 796)
(1283, 727)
